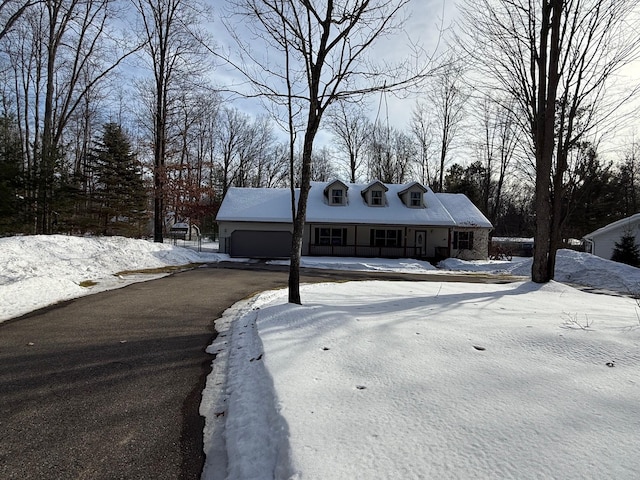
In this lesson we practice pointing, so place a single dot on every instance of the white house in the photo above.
(372, 220)
(603, 241)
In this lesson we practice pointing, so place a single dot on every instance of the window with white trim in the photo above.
(337, 196)
(376, 197)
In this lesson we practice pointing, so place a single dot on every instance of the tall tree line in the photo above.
(556, 62)
(65, 71)
(66, 82)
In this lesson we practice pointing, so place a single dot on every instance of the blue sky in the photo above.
(425, 22)
(425, 19)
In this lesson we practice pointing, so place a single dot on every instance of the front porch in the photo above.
(366, 251)
(376, 241)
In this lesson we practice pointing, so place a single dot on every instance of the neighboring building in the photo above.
(352, 220)
(513, 246)
(603, 241)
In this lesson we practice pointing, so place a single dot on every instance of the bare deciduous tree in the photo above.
(60, 51)
(447, 97)
(173, 43)
(422, 131)
(390, 154)
(555, 58)
(495, 148)
(324, 47)
(11, 11)
(351, 129)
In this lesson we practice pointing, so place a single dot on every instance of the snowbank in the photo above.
(576, 268)
(39, 270)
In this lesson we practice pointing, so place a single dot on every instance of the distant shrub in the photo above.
(626, 250)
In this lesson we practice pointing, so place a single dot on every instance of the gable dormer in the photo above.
(375, 194)
(336, 193)
(413, 195)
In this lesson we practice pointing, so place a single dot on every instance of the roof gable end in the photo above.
(408, 199)
(334, 184)
(413, 186)
(375, 194)
(335, 193)
(375, 183)
(622, 223)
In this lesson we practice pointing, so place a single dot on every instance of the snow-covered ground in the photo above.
(39, 270)
(379, 380)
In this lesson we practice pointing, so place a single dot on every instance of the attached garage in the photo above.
(260, 244)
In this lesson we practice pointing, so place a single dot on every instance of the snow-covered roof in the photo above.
(373, 184)
(409, 186)
(273, 205)
(622, 223)
(463, 211)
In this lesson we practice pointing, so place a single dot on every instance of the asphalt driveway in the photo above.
(108, 386)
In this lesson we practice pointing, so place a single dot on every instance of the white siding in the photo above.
(604, 243)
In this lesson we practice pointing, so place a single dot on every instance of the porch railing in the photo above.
(365, 251)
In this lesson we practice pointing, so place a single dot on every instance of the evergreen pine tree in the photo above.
(120, 191)
(12, 205)
(626, 250)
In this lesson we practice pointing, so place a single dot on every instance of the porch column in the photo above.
(355, 243)
(406, 238)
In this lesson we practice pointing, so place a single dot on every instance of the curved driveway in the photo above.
(108, 386)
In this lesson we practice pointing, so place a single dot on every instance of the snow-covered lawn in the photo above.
(379, 380)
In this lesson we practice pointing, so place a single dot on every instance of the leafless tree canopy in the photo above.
(11, 11)
(324, 44)
(351, 130)
(318, 52)
(171, 38)
(557, 60)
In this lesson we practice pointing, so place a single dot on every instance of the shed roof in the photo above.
(273, 205)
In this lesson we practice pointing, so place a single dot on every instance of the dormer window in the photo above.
(413, 195)
(336, 193)
(374, 194)
(337, 196)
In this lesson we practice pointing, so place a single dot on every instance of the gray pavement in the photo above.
(108, 386)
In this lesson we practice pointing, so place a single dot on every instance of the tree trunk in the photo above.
(547, 65)
(299, 219)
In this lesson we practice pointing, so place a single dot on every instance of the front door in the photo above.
(421, 243)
